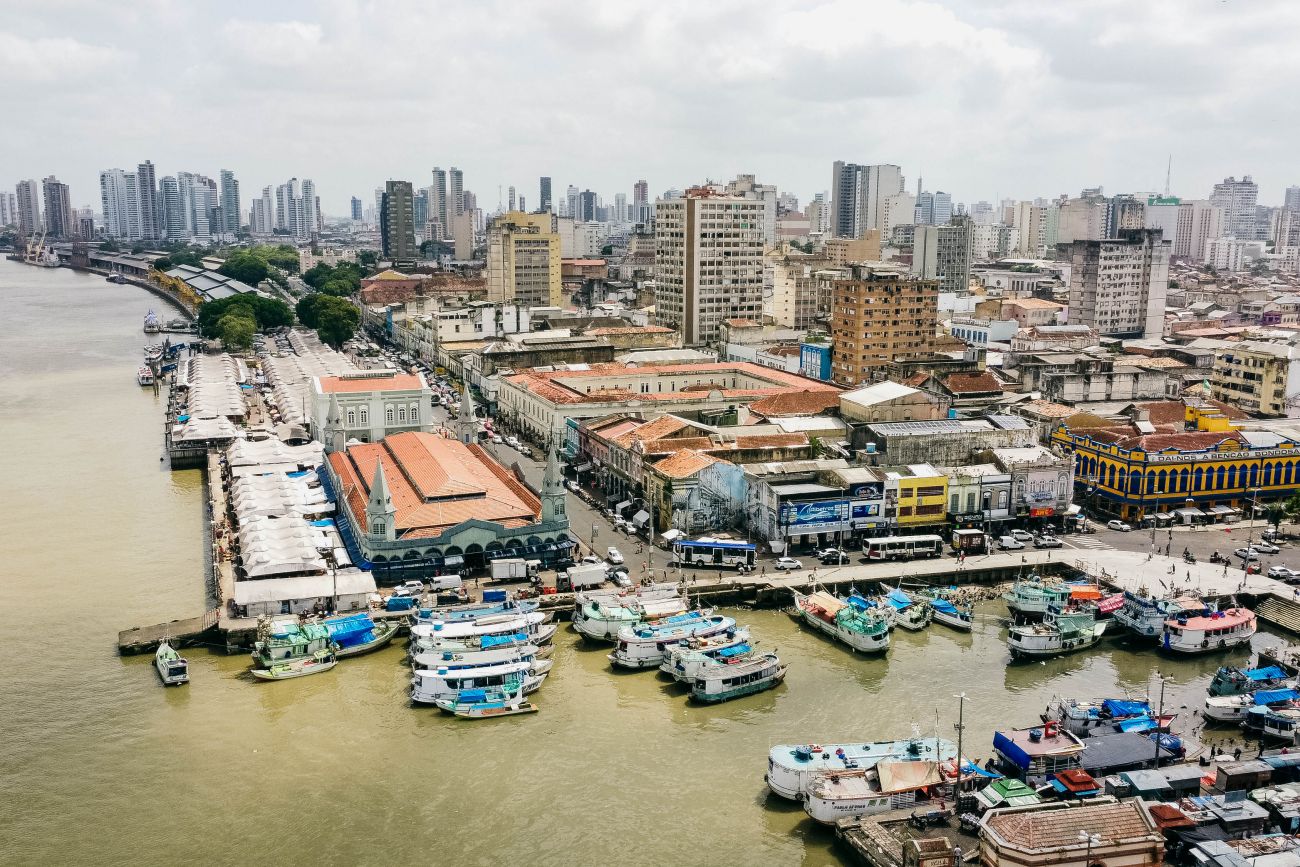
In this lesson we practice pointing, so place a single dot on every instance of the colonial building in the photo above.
(1071, 835)
(416, 504)
(368, 406)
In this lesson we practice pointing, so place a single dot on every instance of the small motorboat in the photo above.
(321, 660)
(487, 704)
(144, 376)
(173, 668)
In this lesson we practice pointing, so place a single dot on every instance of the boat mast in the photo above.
(960, 726)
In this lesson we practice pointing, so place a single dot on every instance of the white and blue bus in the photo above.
(715, 553)
(902, 547)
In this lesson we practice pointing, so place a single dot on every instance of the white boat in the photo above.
(320, 661)
(602, 619)
(727, 678)
(791, 767)
(910, 612)
(534, 623)
(947, 612)
(645, 646)
(144, 376)
(1233, 708)
(685, 662)
(1207, 633)
(1058, 633)
(429, 685)
(1032, 597)
(1083, 717)
(1277, 724)
(448, 659)
(475, 611)
(486, 704)
(1144, 615)
(890, 785)
(469, 645)
(857, 625)
(173, 668)
(151, 324)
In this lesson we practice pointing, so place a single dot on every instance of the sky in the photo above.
(985, 99)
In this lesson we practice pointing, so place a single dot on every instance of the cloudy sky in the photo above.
(984, 98)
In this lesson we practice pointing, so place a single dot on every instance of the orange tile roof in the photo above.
(551, 385)
(658, 428)
(916, 380)
(435, 483)
(796, 403)
(971, 383)
(686, 462)
(1034, 303)
(353, 384)
(1045, 829)
(1128, 438)
(390, 274)
(1049, 409)
(1173, 413)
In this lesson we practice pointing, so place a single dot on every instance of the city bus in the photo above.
(715, 553)
(969, 542)
(902, 547)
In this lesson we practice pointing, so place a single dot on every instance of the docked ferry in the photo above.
(1217, 630)
(647, 645)
(791, 767)
(1144, 615)
(1032, 597)
(1059, 633)
(732, 677)
(144, 376)
(428, 686)
(860, 626)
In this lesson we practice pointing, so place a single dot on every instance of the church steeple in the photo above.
(465, 427)
(334, 437)
(553, 493)
(381, 515)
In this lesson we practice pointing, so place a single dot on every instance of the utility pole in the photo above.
(1091, 840)
(1159, 713)
(961, 729)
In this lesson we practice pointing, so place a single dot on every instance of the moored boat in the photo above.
(451, 660)
(474, 611)
(1032, 597)
(1144, 615)
(429, 685)
(144, 376)
(285, 639)
(534, 623)
(151, 323)
(645, 646)
(1085, 716)
(1275, 723)
(474, 643)
(1233, 708)
(1059, 633)
(726, 678)
(791, 767)
(321, 660)
(601, 618)
(1231, 680)
(173, 668)
(358, 634)
(861, 627)
(959, 617)
(890, 785)
(486, 704)
(1206, 633)
(910, 612)
(684, 662)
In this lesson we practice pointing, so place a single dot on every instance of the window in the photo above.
(401, 414)
(378, 528)
(365, 416)
(415, 412)
(352, 418)
(388, 415)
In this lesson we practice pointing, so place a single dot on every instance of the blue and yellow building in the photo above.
(1157, 467)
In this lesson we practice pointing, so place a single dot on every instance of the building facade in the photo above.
(943, 253)
(1259, 377)
(368, 406)
(877, 314)
(523, 260)
(397, 223)
(1118, 285)
(1237, 198)
(59, 222)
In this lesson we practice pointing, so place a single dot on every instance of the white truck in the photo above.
(585, 576)
(515, 569)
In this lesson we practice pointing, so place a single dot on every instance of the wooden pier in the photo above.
(179, 633)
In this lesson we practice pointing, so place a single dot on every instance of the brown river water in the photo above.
(101, 765)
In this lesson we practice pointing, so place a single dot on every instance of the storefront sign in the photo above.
(1041, 513)
(1182, 457)
(804, 514)
(866, 510)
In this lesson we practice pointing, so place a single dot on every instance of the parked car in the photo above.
(590, 559)
(1046, 541)
(1118, 525)
(526, 451)
(1269, 535)
(512, 442)
(570, 484)
(787, 563)
(1010, 543)
(409, 588)
(1283, 573)
(621, 578)
(1265, 547)
(1247, 553)
(497, 439)
(1022, 535)
(613, 555)
(833, 556)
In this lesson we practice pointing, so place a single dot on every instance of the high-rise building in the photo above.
(879, 313)
(420, 206)
(708, 262)
(1238, 199)
(8, 209)
(438, 200)
(288, 204)
(747, 187)
(58, 208)
(933, 209)
(230, 209)
(544, 199)
(523, 204)
(174, 226)
(944, 253)
(455, 194)
(571, 202)
(1199, 222)
(1118, 285)
(586, 207)
(620, 208)
(858, 196)
(983, 213)
(28, 195)
(356, 210)
(523, 260)
(818, 215)
(642, 210)
(115, 199)
(1291, 201)
(149, 201)
(511, 200)
(397, 223)
(261, 219)
(309, 209)
(196, 200)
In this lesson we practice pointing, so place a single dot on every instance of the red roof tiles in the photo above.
(353, 384)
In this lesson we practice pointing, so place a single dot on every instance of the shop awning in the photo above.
(640, 518)
(1223, 510)
(453, 560)
(582, 468)
(621, 506)
(1189, 513)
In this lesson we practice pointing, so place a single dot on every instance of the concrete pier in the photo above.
(178, 633)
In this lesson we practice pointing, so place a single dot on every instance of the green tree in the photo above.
(306, 309)
(281, 256)
(336, 320)
(265, 313)
(245, 266)
(368, 258)
(1292, 506)
(337, 286)
(163, 263)
(1275, 514)
(109, 246)
(237, 329)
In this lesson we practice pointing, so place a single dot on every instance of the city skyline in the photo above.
(1046, 96)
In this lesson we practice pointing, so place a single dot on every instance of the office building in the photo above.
(149, 201)
(879, 313)
(437, 193)
(194, 200)
(8, 209)
(1199, 222)
(586, 207)
(230, 208)
(309, 209)
(544, 194)
(523, 260)
(115, 201)
(1118, 285)
(944, 253)
(58, 209)
(510, 199)
(898, 210)
(356, 210)
(28, 196)
(858, 196)
(262, 216)
(620, 208)
(1238, 199)
(421, 208)
(747, 187)
(173, 217)
(287, 205)
(455, 193)
(397, 223)
(933, 209)
(708, 262)
(642, 210)
(570, 202)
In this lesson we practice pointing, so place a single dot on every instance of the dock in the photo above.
(178, 633)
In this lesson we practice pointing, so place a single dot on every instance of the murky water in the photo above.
(101, 765)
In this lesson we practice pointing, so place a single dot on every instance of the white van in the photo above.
(445, 582)
(1010, 543)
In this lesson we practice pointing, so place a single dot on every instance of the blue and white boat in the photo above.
(1231, 680)
(733, 677)
(645, 646)
(357, 634)
(448, 684)
(486, 704)
(473, 611)
(1144, 615)
(534, 623)
(791, 767)
(961, 618)
(601, 617)
(1233, 708)
(450, 659)
(911, 613)
(685, 662)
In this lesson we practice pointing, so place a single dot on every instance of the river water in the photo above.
(101, 765)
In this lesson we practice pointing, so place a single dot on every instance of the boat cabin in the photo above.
(1033, 753)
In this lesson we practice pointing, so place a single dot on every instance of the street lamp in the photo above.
(960, 726)
(1091, 840)
(1160, 711)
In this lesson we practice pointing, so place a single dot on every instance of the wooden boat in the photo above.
(486, 704)
(358, 634)
(961, 618)
(910, 612)
(792, 767)
(1217, 630)
(601, 618)
(474, 610)
(173, 668)
(1144, 615)
(1085, 716)
(685, 662)
(725, 679)
(1231, 680)
(284, 639)
(428, 686)
(1233, 708)
(1059, 633)
(321, 660)
(861, 627)
(645, 646)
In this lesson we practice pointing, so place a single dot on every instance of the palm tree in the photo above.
(1275, 514)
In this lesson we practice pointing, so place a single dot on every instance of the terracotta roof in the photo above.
(351, 384)
(661, 427)
(1087, 421)
(742, 323)
(1048, 409)
(916, 380)
(796, 403)
(1173, 413)
(1168, 816)
(1034, 303)
(380, 294)
(1045, 829)
(390, 274)
(630, 329)
(1195, 441)
(553, 385)
(685, 463)
(971, 383)
(435, 483)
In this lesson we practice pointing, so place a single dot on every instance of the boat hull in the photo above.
(1181, 649)
(293, 670)
(856, 640)
(494, 712)
(699, 694)
(378, 642)
(958, 623)
(1052, 646)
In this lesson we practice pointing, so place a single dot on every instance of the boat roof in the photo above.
(1216, 619)
(1059, 742)
(481, 671)
(672, 628)
(862, 754)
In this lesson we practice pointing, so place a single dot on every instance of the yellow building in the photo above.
(919, 495)
(523, 260)
(1208, 465)
(1258, 376)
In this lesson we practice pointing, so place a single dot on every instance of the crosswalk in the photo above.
(1090, 542)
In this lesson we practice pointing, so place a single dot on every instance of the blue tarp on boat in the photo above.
(968, 769)
(350, 629)
(945, 607)
(1272, 672)
(323, 522)
(1137, 724)
(860, 603)
(736, 650)
(898, 599)
(494, 596)
(1121, 707)
(472, 696)
(1275, 696)
(498, 640)
(1007, 747)
(298, 474)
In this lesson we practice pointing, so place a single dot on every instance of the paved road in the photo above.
(1201, 541)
